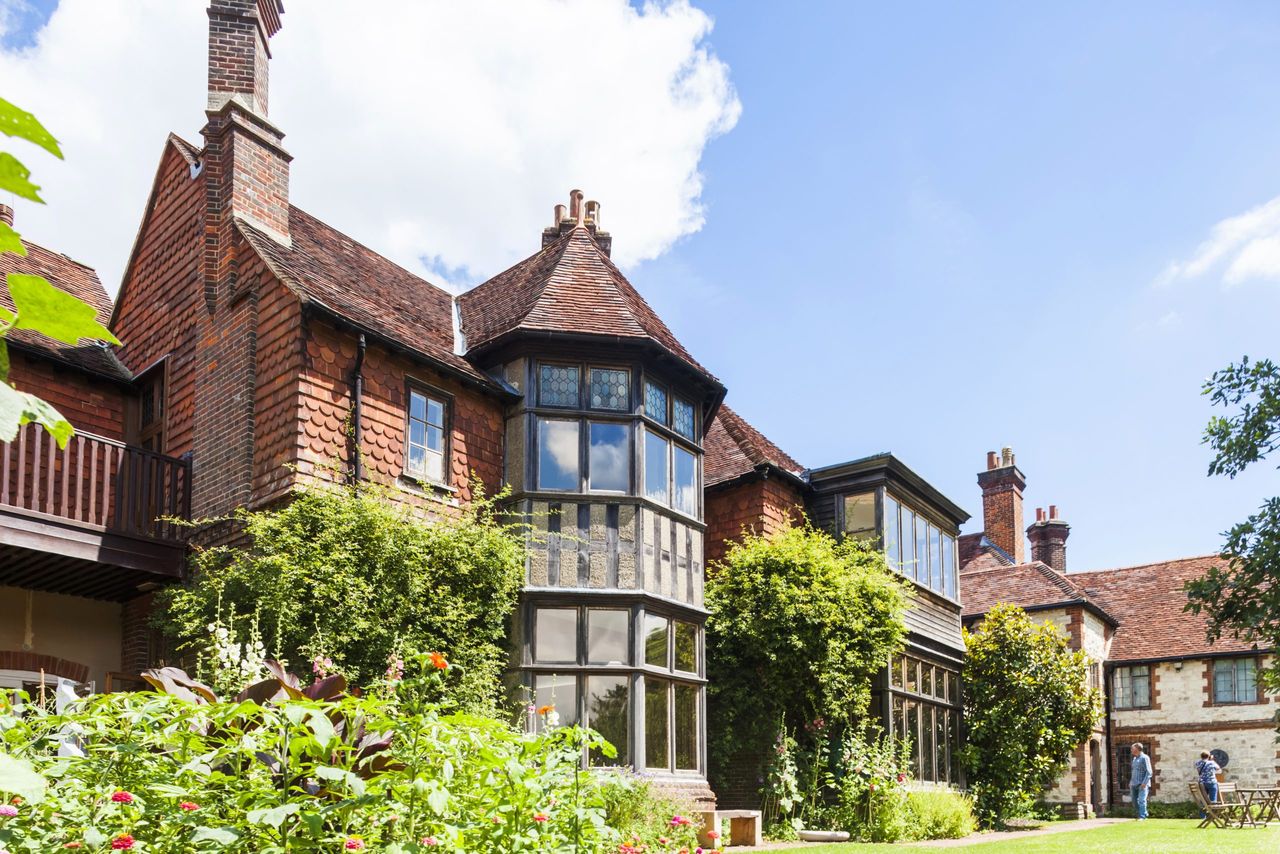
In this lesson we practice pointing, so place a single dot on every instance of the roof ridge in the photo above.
(1214, 556)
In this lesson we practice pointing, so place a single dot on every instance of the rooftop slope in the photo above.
(734, 448)
(79, 281)
(570, 287)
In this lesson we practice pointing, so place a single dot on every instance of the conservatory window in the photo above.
(609, 457)
(608, 636)
(686, 482)
(558, 455)
(608, 713)
(657, 485)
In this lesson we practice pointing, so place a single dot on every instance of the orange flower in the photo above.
(439, 662)
(546, 710)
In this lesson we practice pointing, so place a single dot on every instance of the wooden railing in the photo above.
(96, 481)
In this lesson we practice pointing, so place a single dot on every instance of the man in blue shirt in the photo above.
(1140, 779)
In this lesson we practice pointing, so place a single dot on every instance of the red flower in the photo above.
(353, 843)
(540, 817)
(430, 841)
(122, 797)
(122, 842)
(902, 778)
(439, 662)
(713, 834)
(188, 806)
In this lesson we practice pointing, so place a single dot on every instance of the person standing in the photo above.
(1140, 780)
(1207, 771)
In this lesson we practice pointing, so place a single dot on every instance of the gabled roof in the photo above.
(351, 282)
(734, 448)
(569, 287)
(79, 281)
(1031, 586)
(978, 552)
(1148, 600)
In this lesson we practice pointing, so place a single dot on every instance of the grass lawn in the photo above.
(1158, 836)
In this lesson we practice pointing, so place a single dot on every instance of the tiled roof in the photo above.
(570, 286)
(1148, 601)
(1029, 585)
(79, 281)
(325, 267)
(977, 552)
(734, 448)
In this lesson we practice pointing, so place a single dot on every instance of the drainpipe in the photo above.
(357, 463)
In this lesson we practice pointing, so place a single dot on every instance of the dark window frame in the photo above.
(944, 699)
(1234, 663)
(1129, 705)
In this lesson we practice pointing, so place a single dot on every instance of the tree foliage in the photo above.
(345, 575)
(799, 624)
(1241, 597)
(1026, 707)
(38, 305)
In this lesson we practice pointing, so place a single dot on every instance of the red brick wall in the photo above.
(91, 404)
(475, 419)
(162, 290)
(761, 506)
(139, 642)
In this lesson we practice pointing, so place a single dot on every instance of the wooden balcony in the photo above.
(93, 519)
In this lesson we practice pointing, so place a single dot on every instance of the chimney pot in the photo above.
(6, 214)
(1053, 511)
(1039, 514)
(1006, 456)
(993, 460)
(559, 215)
(575, 205)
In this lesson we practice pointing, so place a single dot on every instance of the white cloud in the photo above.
(440, 133)
(1240, 249)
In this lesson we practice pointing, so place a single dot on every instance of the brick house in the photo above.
(1164, 685)
(753, 485)
(79, 538)
(264, 350)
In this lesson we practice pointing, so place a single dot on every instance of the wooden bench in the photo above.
(744, 827)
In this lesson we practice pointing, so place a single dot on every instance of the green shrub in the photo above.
(871, 781)
(386, 772)
(939, 814)
(799, 625)
(644, 816)
(345, 577)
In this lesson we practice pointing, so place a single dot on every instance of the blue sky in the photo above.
(935, 229)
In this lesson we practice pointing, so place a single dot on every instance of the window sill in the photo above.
(409, 483)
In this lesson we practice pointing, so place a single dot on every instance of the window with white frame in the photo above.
(425, 457)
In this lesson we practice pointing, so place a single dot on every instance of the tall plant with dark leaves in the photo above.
(37, 305)
(1241, 596)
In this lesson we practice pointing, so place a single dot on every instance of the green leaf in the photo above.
(4, 360)
(13, 177)
(10, 240)
(55, 312)
(18, 408)
(438, 800)
(322, 727)
(15, 121)
(94, 837)
(18, 777)
(273, 816)
(220, 836)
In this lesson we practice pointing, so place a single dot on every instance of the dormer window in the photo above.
(914, 544)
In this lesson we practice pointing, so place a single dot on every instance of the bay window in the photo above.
(583, 665)
(609, 457)
(657, 482)
(558, 456)
(924, 700)
(913, 544)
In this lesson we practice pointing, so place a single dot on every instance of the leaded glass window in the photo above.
(682, 417)
(610, 389)
(655, 402)
(558, 385)
(1235, 681)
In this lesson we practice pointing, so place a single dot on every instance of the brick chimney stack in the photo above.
(1002, 484)
(246, 168)
(1048, 535)
(579, 213)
